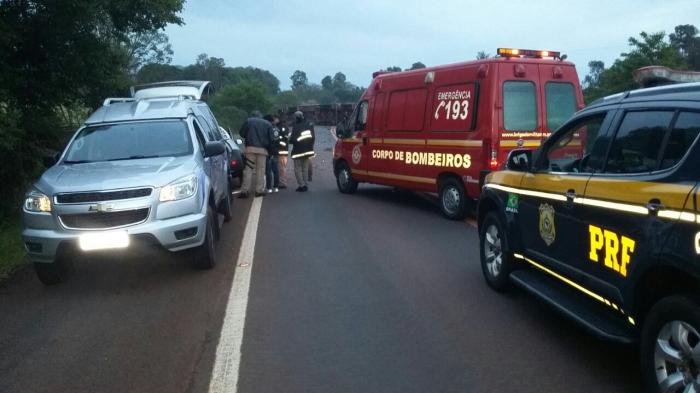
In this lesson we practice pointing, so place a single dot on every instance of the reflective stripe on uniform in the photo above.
(300, 155)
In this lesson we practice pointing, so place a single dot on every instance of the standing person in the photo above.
(302, 140)
(258, 135)
(272, 174)
(283, 154)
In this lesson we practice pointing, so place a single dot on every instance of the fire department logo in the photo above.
(356, 154)
(548, 230)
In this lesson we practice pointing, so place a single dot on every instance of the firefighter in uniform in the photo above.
(283, 154)
(302, 140)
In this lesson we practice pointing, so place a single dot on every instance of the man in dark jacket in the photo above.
(259, 135)
(302, 140)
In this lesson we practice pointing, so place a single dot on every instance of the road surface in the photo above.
(372, 292)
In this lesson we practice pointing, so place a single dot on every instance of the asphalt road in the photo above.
(372, 292)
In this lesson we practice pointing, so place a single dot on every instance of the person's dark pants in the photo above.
(272, 172)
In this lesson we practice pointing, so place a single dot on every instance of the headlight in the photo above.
(37, 202)
(180, 189)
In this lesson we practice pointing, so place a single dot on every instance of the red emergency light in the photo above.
(512, 52)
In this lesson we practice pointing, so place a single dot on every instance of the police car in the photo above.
(603, 223)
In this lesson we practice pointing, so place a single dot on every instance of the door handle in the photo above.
(654, 206)
(570, 195)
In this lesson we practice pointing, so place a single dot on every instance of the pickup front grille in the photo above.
(89, 197)
(104, 220)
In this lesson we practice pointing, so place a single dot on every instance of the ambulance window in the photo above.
(682, 136)
(638, 141)
(561, 103)
(361, 116)
(519, 106)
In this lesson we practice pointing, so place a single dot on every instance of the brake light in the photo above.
(234, 162)
(512, 52)
(493, 164)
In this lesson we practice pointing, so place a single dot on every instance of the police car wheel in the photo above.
(204, 256)
(496, 262)
(670, 347)
(346, 184)
(453, 201)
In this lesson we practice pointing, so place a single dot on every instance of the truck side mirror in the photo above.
(519, 160)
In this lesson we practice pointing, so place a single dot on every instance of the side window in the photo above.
(211, 134)
(200, 135)
(682, 136)
(561, 103)
(577, 149)
(519, 106)
(361, 120)
(638, 142)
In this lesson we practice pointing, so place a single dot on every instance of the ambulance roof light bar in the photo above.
(512, 52)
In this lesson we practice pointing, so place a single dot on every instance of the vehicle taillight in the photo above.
(234, 162)
(493, 164)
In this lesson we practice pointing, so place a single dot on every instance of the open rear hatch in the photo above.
(189, 89)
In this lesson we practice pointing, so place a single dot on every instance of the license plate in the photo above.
(103, 240)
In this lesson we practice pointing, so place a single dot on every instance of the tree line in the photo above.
(678, 50)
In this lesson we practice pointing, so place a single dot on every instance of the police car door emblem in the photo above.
(548, 231)
(512, 204)
(356, 154)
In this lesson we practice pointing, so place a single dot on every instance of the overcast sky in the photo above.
(359, 37)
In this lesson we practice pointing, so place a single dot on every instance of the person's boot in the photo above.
(299, 189)
(304, 189)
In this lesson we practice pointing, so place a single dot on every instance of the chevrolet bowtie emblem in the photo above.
(101, 207)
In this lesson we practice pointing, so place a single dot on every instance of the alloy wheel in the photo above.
(493, 251)
(677, 357)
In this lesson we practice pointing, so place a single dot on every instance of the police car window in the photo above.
(561, 103)
(519, 106)
(638, 141)
(682, 136)
(576, 150)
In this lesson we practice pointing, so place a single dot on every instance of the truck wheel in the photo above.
(496, 261)
(670, 347)
(204, 256)
(453, 199)
(226, 208)
(346, 184)
(53, 273)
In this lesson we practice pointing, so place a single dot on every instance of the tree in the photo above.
(393, 69)
(247, 96)
(149, 47)
(339, 81)
(57, 57)
(595, 70)
(150, 73)
(648, 49)
(687, 43)
(417, 65)
(481, 55)
(327, 82)
(299, 80)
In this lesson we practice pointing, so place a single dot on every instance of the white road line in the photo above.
(228, 353)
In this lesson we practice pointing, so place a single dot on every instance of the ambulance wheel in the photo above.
(496, 261)
(670, 345)
(453, 199)
(346, 184)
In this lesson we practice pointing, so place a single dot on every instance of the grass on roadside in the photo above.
(11, 249)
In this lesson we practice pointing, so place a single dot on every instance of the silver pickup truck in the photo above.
(145, 169)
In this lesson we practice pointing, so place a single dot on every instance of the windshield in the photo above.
(130, 141)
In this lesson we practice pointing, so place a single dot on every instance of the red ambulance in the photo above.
(442, 129)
